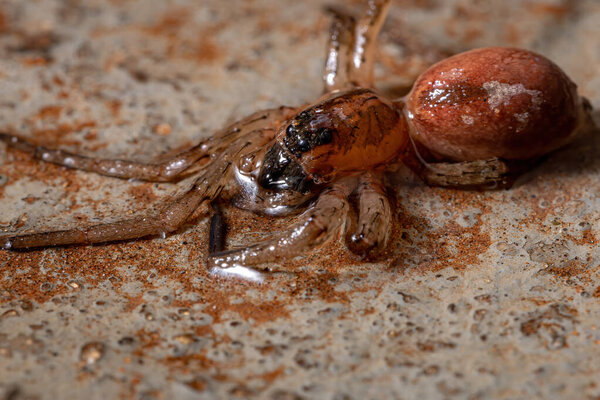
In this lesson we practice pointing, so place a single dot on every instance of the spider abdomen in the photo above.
(493, 102)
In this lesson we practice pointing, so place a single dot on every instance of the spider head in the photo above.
(306, 132)
(343, 134)
(279, 171)
(282, 166)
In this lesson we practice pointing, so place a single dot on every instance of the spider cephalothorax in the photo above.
(473, 115)
(346, 133)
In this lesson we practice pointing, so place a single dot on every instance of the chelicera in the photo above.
(469, 120)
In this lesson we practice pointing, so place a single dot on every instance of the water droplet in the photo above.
(149, 317)
(91, 353)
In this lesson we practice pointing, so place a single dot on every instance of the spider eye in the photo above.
(324, 136)
(291, 130)
(302, 146)
(300, 140)
(304, 116)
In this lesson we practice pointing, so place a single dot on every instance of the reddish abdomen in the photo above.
(493, 102)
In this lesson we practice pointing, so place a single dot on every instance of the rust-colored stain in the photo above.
(143, 193)
(551, 324)
(57, 135)
(271, 376)
(170, 27)
(23, 165)
(148, 339)
(4, 25)
(451, 246)
(191, 362)
(35, 61)
(555, 10)
(48, 112)
(114, 106)
(571, 269)
(133, 303)
(174, 29)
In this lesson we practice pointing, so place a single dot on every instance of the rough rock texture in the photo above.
(481, 295)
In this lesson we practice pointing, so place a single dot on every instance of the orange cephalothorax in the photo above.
(345, 133)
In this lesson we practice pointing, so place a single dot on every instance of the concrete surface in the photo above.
(491, 295)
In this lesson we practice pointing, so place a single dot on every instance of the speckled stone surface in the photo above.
(482, 295)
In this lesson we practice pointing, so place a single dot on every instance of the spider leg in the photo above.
(206, 187)
(367, 29)
(217, 231)
(317, 225)
(374, 217)
(163, 171)
(339, 51)
(493, 173)
(351, 49)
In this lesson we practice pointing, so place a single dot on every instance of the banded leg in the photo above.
(374, 217)
(164, 171)
(351, 49)
(317, 225)
(206, 187)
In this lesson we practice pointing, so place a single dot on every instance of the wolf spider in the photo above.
(341, 146)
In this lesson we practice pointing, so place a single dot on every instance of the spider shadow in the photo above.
(580, 157)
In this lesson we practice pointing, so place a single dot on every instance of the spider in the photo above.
(467, 121)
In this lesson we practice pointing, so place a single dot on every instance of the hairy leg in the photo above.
(164, 171)
(317, 225)
(351, 49)
(206, 187)
(374, 217)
